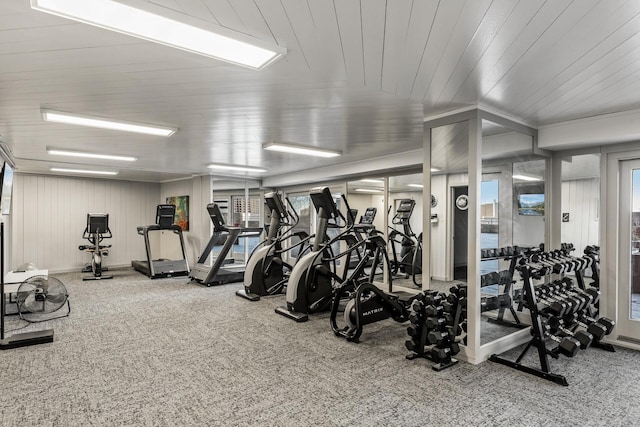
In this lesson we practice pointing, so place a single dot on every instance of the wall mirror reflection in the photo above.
(512, 213)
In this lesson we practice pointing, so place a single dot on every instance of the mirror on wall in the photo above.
(404, 239)
(580, 194)
(512, 193)
(449, 205)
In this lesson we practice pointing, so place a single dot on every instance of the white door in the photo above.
(629, 251)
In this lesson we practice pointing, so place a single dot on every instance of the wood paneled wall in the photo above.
(49, 214)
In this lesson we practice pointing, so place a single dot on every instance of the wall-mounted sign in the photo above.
(565, 217)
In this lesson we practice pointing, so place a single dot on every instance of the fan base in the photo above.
(27, 339)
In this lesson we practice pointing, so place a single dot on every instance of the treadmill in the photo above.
(221, 271)
(162, 267)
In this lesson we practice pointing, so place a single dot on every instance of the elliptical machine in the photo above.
(266, 272)
(310, 285)
(96, 230)
(410, 261)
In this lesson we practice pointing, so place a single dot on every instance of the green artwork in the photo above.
(182, 210)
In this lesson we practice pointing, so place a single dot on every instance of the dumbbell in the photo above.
(417, 306)
(435, 323)
(566, 285)
(575, 303)
(604, 321)
(439, 337)
(444, 354)
(558, 308)
(433, 310)
(434, 299)
(411, 345)
(567, 346)
(597, 330)
(584, 337)
(580, 301)
(413, 330)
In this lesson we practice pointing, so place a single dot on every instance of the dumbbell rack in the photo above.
(420, 345)
(511, 254)
(528, 272)
(539, 266)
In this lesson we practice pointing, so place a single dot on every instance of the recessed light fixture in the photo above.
(300, 149)
(56, 152)
(103, 123)
(435, 170)
(371, 181)
(525, 177)
(161, 25)
(93, 172)
(240, 168)
(415, 185)
(368, 190)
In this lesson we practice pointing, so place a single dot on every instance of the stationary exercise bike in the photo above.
(410, 261)
(266, 272)
(96, 230)
(368, 303)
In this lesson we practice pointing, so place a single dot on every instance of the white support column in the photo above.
(473, 239)
(426, 209)
(553, 210)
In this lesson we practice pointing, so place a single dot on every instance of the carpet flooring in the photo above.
(167, 352)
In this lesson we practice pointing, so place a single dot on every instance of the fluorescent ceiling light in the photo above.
(525, 177)
(102, 123)
(300, 149)
(368, 190)
(236, 168)
(90, 155)
(415, 185)
(371, 181)
(151, 22)
(94, 172)
(435, 170)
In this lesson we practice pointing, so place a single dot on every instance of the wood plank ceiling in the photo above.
(359, 76)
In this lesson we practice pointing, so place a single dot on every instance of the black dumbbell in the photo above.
(439, 337)
(411, 345)
(597, 330)
(417, 306)
(574, 303)
(584, 337)
(580, 301)
(413, 330)
(435, 323)
(433, 310)
(604, 321)
(567, 346)
(557, 308)
(444, 354)
(566, 285)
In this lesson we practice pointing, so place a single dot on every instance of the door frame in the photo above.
(610, 229)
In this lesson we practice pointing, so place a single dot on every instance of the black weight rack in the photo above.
(542, 266)
(507, 296)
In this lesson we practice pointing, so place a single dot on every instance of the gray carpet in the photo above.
(167, 352)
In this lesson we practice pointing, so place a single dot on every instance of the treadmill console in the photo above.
(165, 215)
(216, 216)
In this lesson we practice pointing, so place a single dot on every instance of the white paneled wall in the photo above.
(580, 199)
(49, 214)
